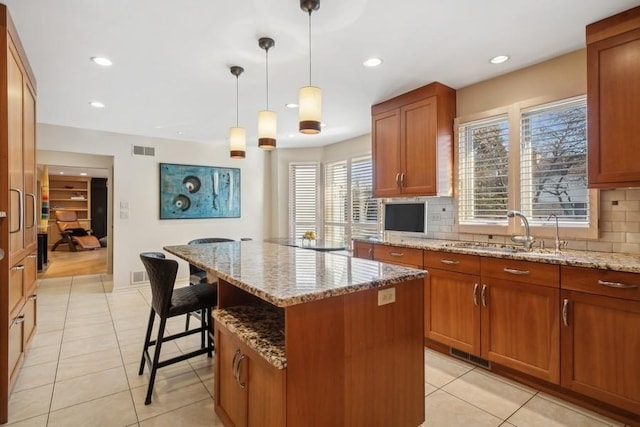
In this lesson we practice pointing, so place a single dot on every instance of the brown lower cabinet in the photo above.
(601, 328)
(251, 391)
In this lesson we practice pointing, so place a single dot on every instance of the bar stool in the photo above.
(167, 302)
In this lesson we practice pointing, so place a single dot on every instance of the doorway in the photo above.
(80, 183)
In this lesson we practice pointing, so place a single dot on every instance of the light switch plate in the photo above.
(386, 296)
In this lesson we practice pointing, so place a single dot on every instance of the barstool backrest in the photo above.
(162, 276)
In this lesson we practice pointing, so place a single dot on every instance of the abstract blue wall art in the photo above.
(188, 191)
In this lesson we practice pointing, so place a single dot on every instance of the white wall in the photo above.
(136, 182)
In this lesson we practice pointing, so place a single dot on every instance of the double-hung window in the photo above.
(531, 158)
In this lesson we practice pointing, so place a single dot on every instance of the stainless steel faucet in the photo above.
(527, 240)
(558, 243)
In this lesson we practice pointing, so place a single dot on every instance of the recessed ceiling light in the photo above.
(83, 174)
(101, 60)
(291, 105)
(372, 62)
(61, 173)
(292, 135)
(499, 59)
(96, 104)
(179, 132)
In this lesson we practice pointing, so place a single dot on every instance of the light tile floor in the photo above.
(82, 370)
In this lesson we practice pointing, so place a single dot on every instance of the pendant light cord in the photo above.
(237, 101)
(309, 47)
(267, 73)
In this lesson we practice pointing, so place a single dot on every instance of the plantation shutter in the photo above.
(303, 198)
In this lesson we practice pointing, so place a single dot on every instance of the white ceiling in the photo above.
(170, 77)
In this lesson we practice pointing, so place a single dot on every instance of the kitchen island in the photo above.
(307, 338)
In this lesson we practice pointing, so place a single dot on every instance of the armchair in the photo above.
(72, 233)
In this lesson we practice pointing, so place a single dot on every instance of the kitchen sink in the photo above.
(501, 248)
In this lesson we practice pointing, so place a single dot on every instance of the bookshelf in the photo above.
(68, 193)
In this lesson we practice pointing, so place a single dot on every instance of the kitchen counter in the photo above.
(284, 276)
(601, 260)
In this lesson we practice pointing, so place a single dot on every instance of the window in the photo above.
(303, 198)
(527, 158)
(483, 171)
(349, 210)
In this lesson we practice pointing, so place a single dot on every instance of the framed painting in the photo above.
(188, 191)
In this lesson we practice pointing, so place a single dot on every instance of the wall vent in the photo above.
(139, 150)
(470, 358)
(138, 277)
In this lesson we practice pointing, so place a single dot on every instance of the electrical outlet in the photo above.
(386, 296)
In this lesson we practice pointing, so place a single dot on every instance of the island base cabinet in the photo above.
(602, 332)
(249, 391)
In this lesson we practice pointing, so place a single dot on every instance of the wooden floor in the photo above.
(63, 263)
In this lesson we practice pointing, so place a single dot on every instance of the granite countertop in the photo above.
(602, 260)
(260, 327)
(285, 276)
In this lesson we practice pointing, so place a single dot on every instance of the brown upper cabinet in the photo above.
(412, 143)
(613, 100)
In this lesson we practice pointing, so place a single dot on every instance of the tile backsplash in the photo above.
(619, 223)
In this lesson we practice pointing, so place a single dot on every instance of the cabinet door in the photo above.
(452, 310)
(263, 380)
(16, 156)
(418, 138)
(613, 88)
(231, 398)
(30, 317)
(608, 370)
(521, 328)
(386, 153)
(29, 150)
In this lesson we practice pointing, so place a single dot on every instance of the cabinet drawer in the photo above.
(30, 278)
(16, 346)
(363, 250)
(30, 319)
(521, 271)
(469, 264)
(16, 288)
(398, 255)
(601, 282)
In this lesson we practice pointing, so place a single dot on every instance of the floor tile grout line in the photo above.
(475, 406)
(522, 406)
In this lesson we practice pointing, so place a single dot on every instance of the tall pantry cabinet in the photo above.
(18, 212)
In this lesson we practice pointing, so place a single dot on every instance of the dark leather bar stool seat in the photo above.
(167, 302)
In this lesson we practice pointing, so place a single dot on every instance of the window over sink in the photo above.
(531, 157)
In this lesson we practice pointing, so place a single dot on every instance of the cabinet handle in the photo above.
(449, 261)
(370, 251)
(33, 298)
(516, 271)
(19, 320)
(483, 295)
(616, 285)
(33, 201)
(402, 180)
(233, 364)
(565, 312)
(20, 209)
(396, 254)
(475, 294)
(18, 267)
(240, 359)
(398, 179)
(32, 256)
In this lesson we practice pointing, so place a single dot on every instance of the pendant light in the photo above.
(267, 119)
(237, 135)
(310, 100)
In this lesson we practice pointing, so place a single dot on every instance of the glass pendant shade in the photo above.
(237, 143)
(267, 129)
(310, 110)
